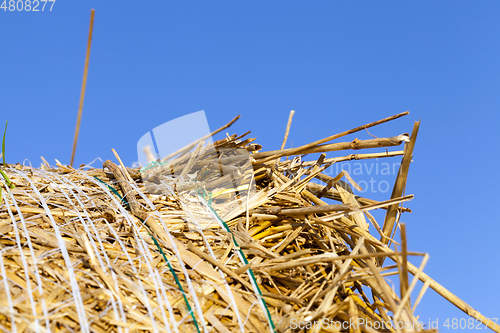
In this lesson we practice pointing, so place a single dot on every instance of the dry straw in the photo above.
(90, 251)
(84, 85)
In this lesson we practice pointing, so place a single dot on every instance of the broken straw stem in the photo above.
(84, 84)
(355, 144)
(336, 136)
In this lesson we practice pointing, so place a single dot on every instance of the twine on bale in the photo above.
(204, 195)
(158, 247)
(89, 250)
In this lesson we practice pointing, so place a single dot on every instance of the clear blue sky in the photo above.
(339, 64)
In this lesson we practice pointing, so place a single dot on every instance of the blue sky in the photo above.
(339, 64)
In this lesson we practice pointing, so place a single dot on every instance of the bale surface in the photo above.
(92, 251)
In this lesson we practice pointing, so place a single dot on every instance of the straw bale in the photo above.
(89, 250)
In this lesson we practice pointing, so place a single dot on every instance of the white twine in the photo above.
(24, 261)
(161, 294)
(80, 309)
(9, 296)
(189, 282)
(209, 248)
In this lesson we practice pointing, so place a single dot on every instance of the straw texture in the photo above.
(90, 251)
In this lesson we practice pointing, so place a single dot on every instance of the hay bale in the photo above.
(92, 251)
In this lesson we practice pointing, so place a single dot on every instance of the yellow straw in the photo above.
(77, 130)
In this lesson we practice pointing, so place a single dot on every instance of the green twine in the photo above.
(152, 164)
(176, 278)
(155, 241)
(122, 199)
(203, 194)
